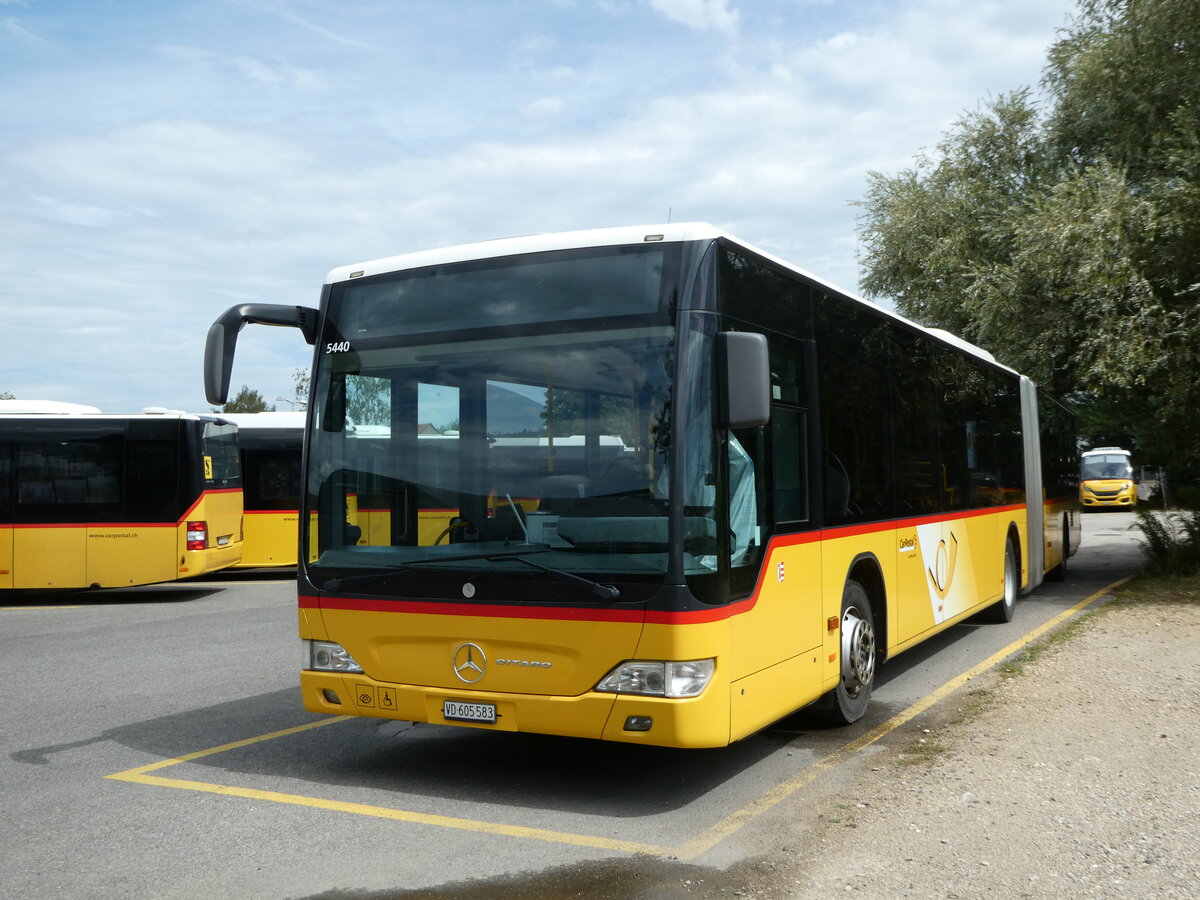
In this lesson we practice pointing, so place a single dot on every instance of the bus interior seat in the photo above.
(560, 493)
(622, 475)
(506, 524)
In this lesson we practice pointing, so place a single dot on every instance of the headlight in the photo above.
(326, 656)
(657, 678)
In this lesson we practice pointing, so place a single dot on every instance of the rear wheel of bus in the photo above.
(1002, 610)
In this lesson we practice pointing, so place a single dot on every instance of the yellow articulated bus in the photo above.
(688, 488)
(97, 501)
(269, 446)
(1058, 455)
(1106, 479)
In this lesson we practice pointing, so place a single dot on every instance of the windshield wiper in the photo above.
(336, 584)
(605, 592)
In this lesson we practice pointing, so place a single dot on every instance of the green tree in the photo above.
(1063, 239)
(247, 400)
(300, 379)
(940, 238)
(6, 395)
(368, 400)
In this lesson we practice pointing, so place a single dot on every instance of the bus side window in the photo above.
(914, 425)
(7, 481)
(152, 480)
(788, 464)
(748, 499)
(855, 412)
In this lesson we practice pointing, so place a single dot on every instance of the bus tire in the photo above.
(1059, 572)
(1002, 610)
(847, 703)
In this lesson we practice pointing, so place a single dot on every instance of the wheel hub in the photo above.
(858, 651)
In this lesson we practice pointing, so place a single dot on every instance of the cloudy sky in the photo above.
(162, 160)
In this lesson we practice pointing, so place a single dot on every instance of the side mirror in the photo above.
(222, 339)
(744, 379)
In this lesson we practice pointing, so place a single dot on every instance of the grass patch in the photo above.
(924, 749)
(1013, 667)
(1069, 630)
(1152, 587)
(1171, 541)
(978, 700)
(933, 743)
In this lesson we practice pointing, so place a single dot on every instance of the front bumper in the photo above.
(694, 722)
(1124, 499)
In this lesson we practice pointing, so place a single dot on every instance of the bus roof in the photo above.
(45, 408)
(532, 243)
(89, 414)
(266, 419)
(613, 237)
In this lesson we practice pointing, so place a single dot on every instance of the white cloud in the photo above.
(703, 15)
(15, 29)
(74, 213)
(544, 107)
(179, 165)
(321, 31)
(252, 69)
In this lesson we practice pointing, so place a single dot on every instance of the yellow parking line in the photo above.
(400, 815)
(689, 850)
(283, 582)
(135, 774)
(140, 775)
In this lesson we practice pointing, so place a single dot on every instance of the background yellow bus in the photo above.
(689, 488)
(269, 445)
(1106, 479)
(90, 500)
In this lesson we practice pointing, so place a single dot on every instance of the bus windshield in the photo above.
(1106, 465)
(222, 467)
(547, 440)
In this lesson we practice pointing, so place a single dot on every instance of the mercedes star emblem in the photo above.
(470, 662)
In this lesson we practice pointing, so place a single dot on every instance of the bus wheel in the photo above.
(848, 701)
(1002, 610)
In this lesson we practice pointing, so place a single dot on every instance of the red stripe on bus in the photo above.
(440, 608)
(175, 524)
(654, 617)
(123, 525)
(199, 500)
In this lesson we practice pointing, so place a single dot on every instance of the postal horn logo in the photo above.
(470, 662)
(941, 574)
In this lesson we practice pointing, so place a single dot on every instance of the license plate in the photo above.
(469, 712)
(222, 541)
